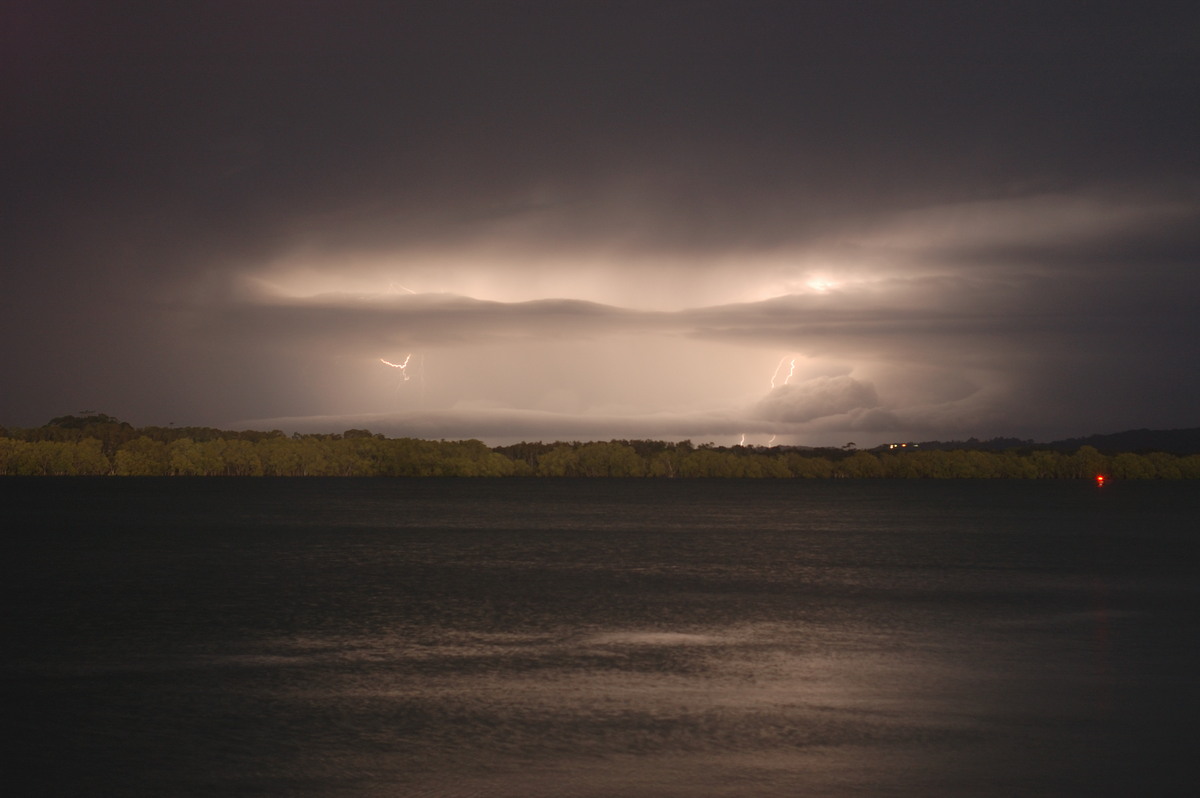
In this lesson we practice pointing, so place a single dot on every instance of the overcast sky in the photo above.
(788, 222)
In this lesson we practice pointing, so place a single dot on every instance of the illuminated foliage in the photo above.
(98, 445)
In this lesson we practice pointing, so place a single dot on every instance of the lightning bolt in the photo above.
(401, 366)
(394, 285)
(791, 370)
(773, 437)
(742, 442)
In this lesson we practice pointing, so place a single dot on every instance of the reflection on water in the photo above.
(431, 638)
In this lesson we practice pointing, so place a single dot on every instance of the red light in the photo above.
(1099, 480)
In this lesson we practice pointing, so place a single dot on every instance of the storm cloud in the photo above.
(582, 220)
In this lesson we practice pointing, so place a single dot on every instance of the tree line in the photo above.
(99, 445)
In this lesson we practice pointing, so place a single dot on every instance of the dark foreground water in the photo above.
(600, 638)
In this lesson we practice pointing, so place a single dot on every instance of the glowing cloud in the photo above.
(817, 398)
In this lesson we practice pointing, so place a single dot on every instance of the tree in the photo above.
(809, 467)
(86, 458)
(1166, 466)
(708, 462)
(142, 457)
(608, 460)
(860, 465)
(561, 461)
(279, 457)
(238, 458)
(1086, 463)
(663, 464)
(1132, 466)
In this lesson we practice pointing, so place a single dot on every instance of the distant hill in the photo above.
(1174, 441)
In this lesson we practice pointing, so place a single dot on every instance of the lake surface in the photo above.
(537, 637)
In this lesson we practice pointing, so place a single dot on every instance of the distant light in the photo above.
(1099, 480)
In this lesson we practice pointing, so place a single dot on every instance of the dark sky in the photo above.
(799, 222)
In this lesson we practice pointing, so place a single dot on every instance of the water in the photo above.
(598, 638)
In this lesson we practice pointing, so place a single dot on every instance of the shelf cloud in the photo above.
(604, 219)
